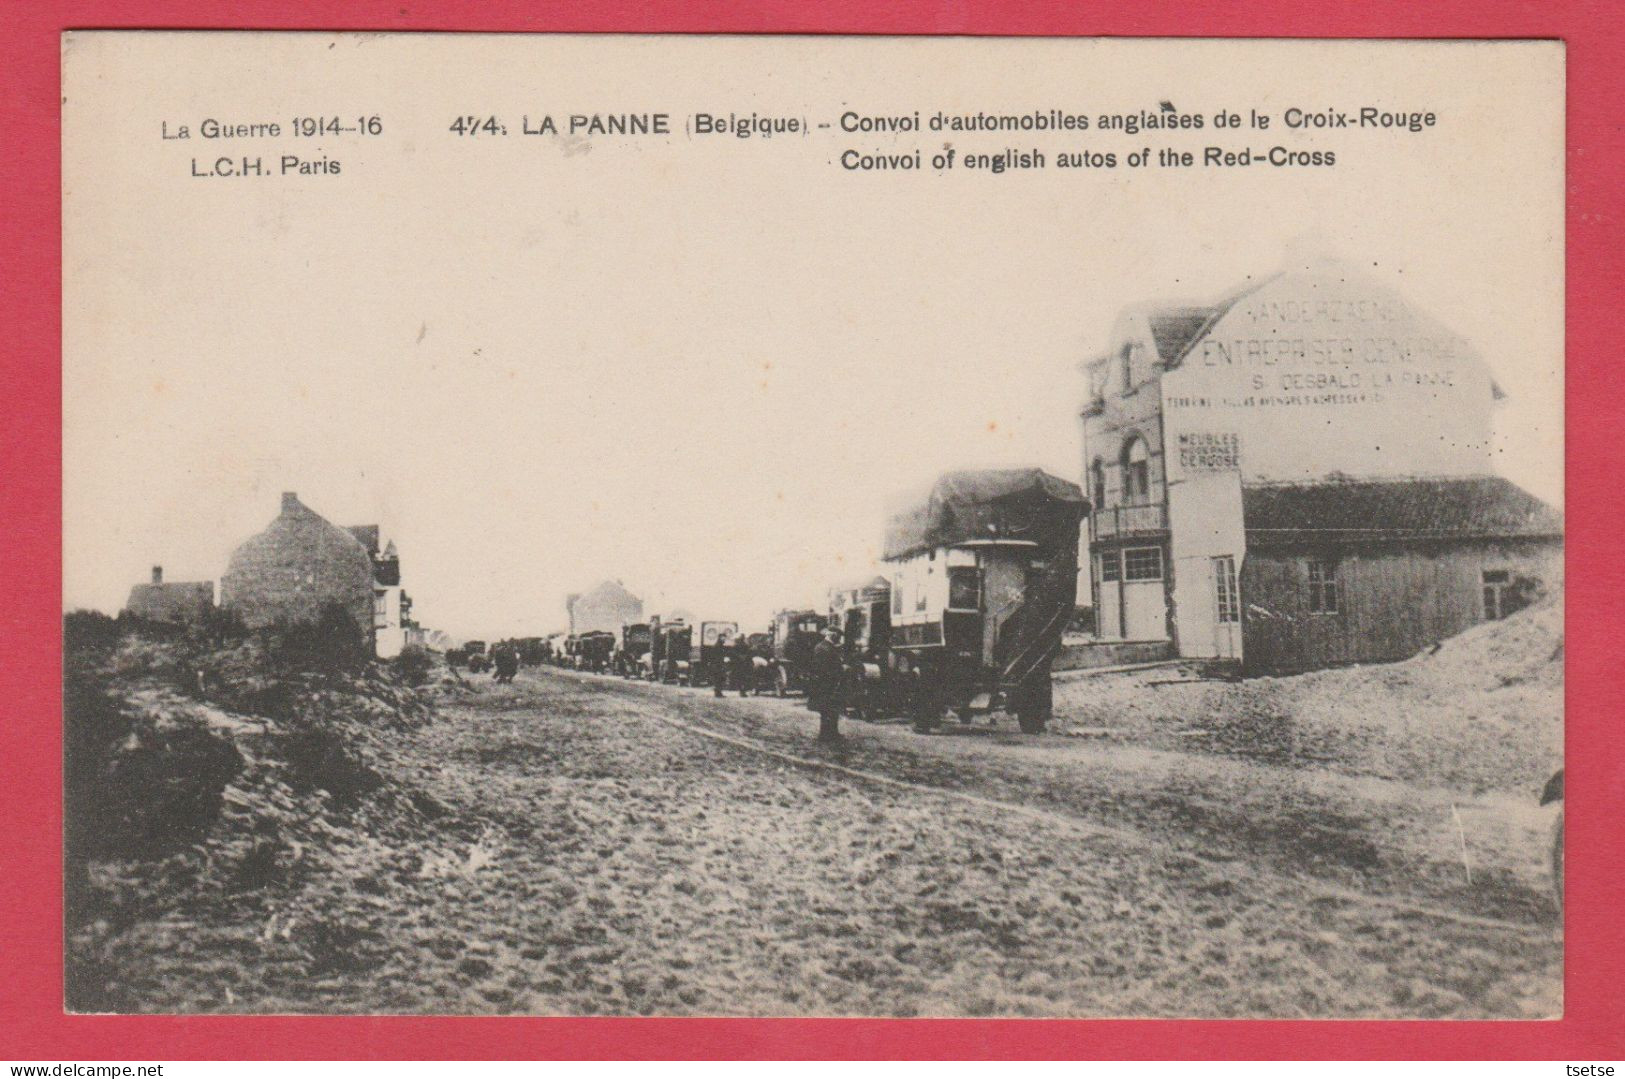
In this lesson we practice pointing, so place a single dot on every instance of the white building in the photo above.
(1298, 475)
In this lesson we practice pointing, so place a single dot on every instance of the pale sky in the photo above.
(704, 367)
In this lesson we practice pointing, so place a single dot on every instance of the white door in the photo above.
(1226, 609)
(1145, 606)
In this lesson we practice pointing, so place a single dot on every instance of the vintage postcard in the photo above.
(792, 526)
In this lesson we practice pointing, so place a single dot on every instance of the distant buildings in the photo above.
(1298, 475)
(293, 571)
(605, 607)
(391, 607)
(173, 602)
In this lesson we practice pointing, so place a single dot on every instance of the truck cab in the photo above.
(793, 636)
(630, 649)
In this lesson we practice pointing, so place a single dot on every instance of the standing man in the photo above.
(744, 665)
(717, 662)
(507, 664)
(825, 675)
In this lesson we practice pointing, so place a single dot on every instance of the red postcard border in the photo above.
(32, 1023)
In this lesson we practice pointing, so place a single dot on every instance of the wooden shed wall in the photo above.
(1393, 602)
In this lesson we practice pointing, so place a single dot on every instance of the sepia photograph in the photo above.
(787, 526)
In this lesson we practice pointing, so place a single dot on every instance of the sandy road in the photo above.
(659, 852)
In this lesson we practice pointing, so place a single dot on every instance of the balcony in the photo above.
(1117, 522)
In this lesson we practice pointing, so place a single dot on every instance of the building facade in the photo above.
(604, 608)
(391, 607)
(298, 566)
(1319, 398)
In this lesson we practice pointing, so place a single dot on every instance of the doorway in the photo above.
(1226, 609)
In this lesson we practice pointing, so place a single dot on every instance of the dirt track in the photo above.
(644, 867)
(618, 848)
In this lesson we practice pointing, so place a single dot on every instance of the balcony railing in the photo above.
(1113, 521)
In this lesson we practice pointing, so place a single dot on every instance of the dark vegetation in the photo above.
(213, 766)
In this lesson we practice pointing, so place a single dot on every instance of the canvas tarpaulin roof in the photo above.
(1006, 503)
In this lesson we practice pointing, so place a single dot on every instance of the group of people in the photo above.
(732, 665)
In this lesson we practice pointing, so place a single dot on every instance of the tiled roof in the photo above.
(1174, 328)
(1479, 507)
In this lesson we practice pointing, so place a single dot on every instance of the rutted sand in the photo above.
(598, 860)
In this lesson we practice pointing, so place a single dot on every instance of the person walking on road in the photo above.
(825, 678)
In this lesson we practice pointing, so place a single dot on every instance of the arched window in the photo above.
(1097, 483)
(1136, 471)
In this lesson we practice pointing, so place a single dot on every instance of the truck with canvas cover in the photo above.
(984, 576)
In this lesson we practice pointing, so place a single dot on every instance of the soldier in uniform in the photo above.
(826, 675)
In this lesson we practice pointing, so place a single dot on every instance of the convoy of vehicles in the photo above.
(980, 583)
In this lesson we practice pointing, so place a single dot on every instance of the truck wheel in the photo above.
(1030, 722)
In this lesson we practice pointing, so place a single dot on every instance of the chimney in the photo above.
(290, 501)
(157, 575)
